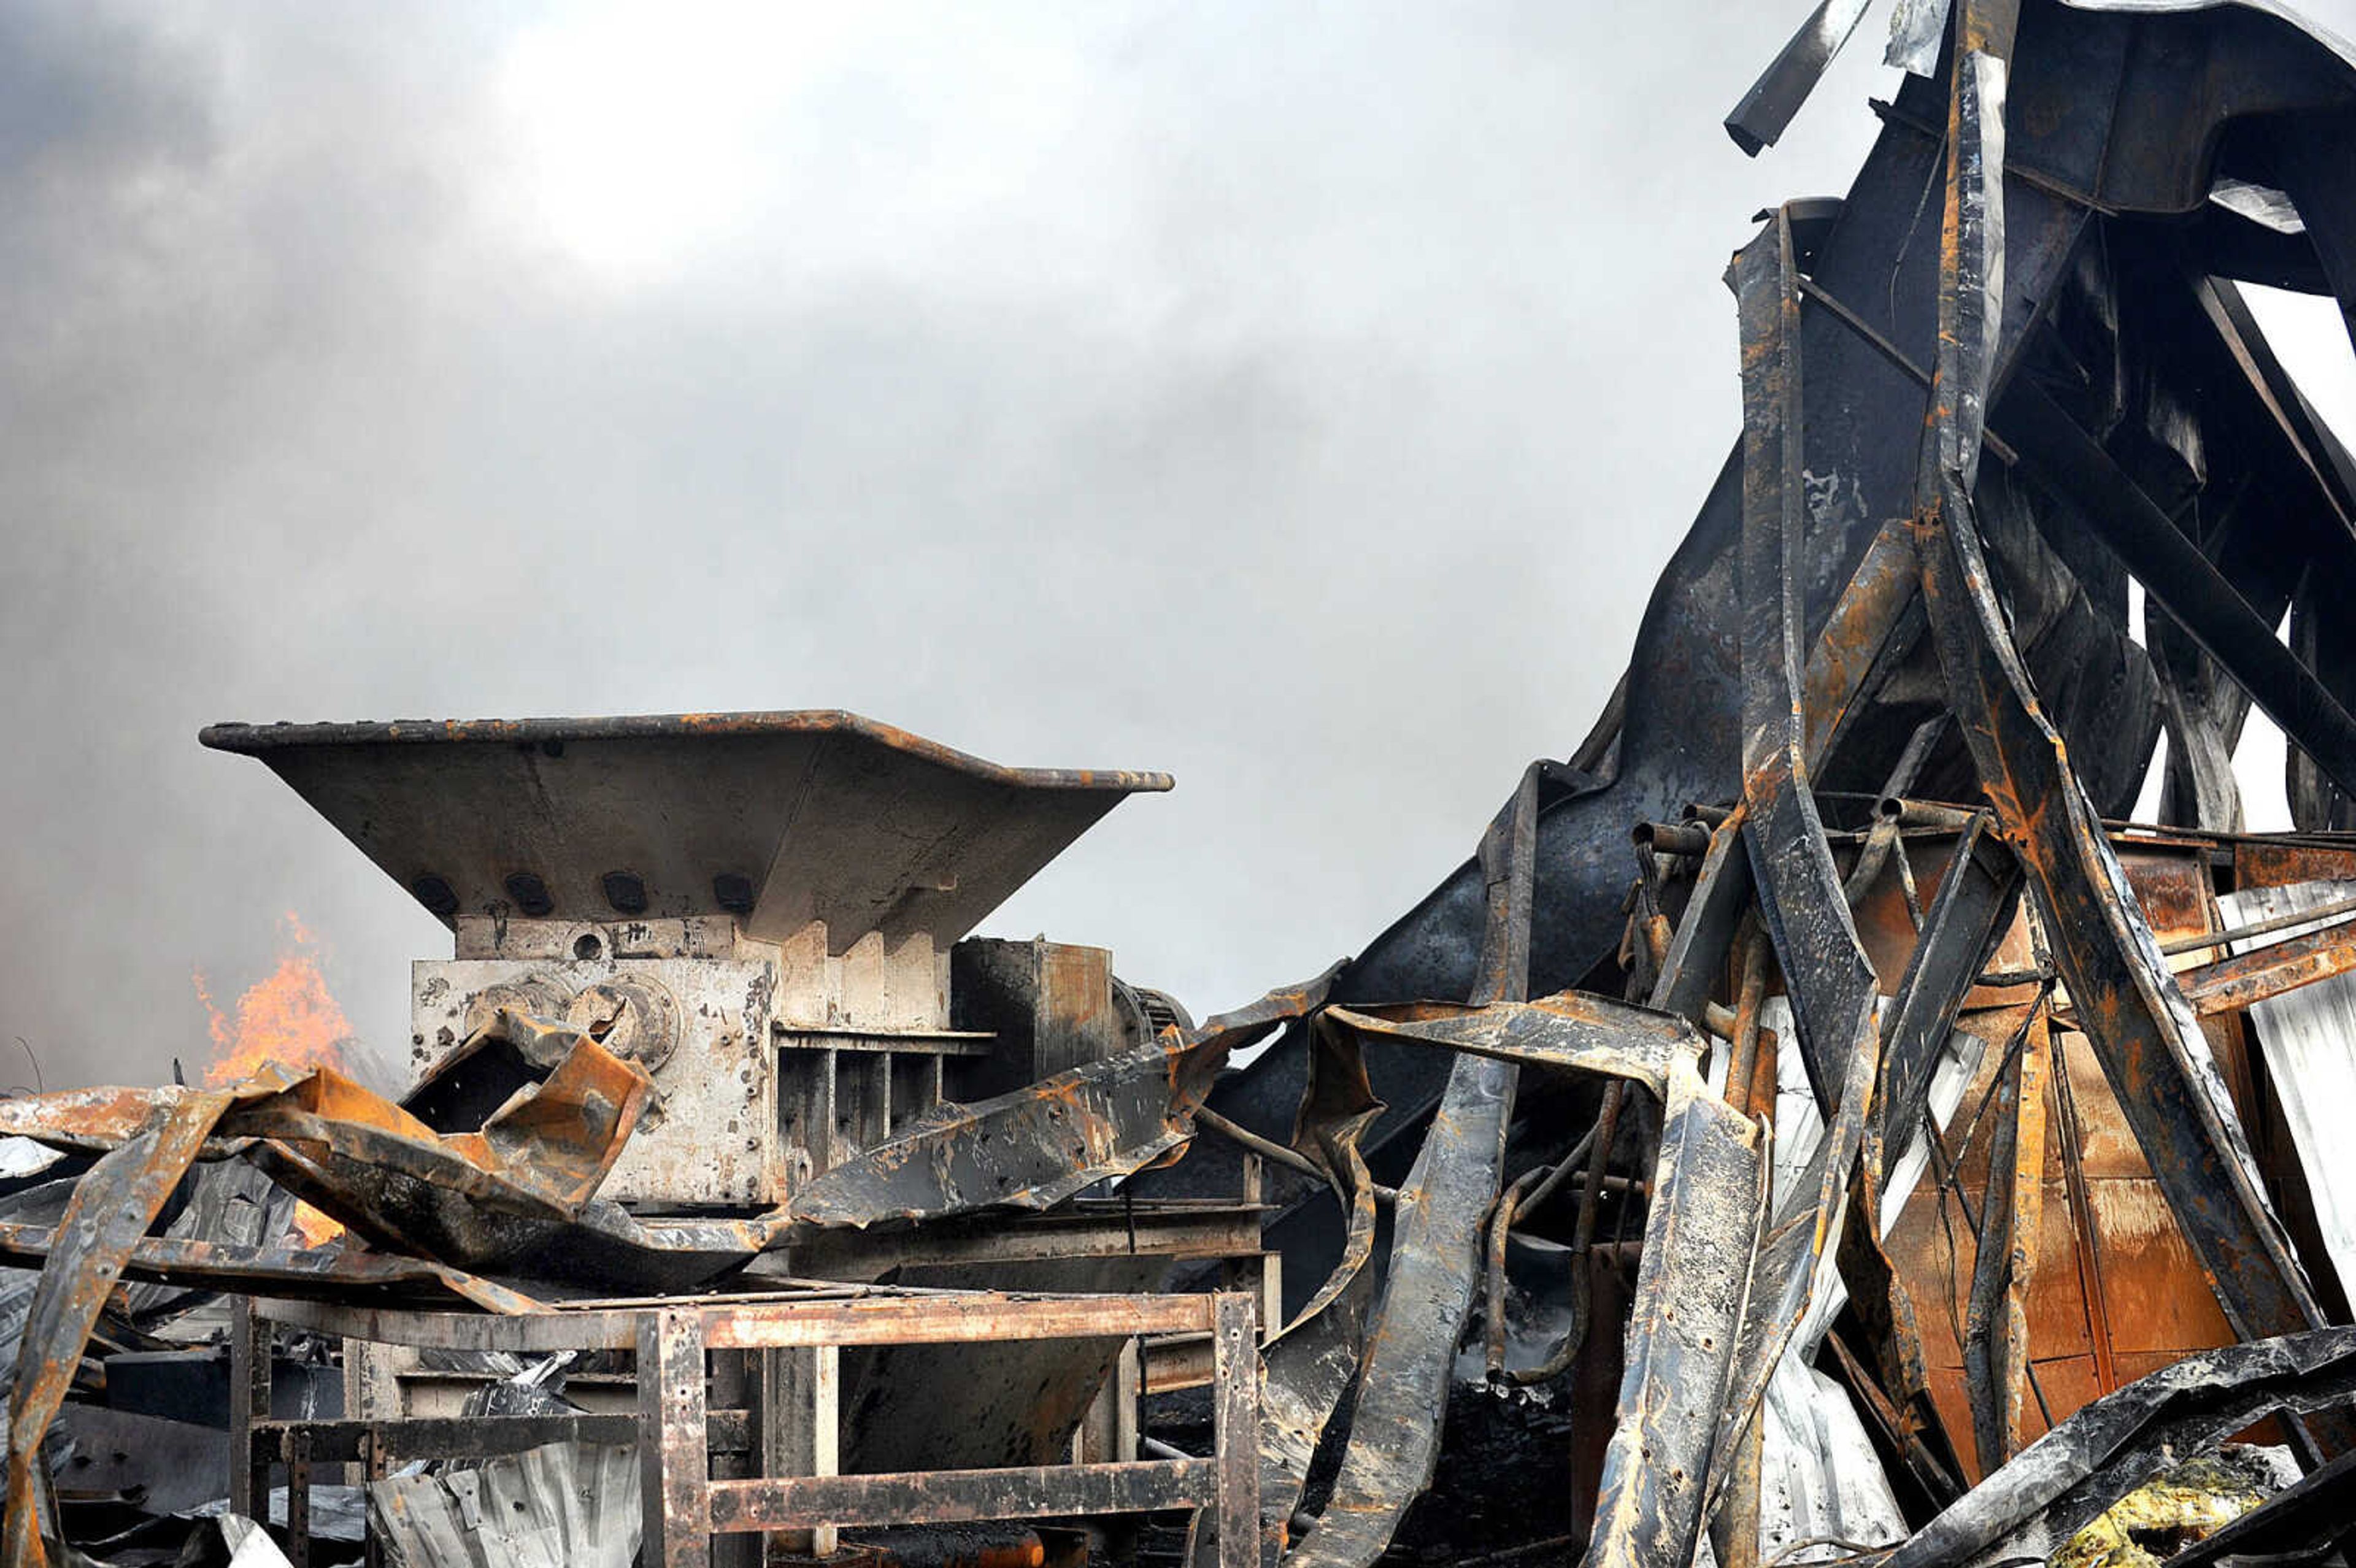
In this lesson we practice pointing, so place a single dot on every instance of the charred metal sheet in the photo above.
(391, 1178)
(1312, 1361)
(1916, 27)
(2069, 460)
(1039, 1145)
(559, 1503)
(113, 1204)
(2028, 1510)
(228, 1204)
(1710, 1187)
(433, 804)
(1334, 1115)
(1411, 1342)
(1573, 1030)
(1759, 120)
(1306, 1373)
(1435, 1238)
(511, 1197)
(314, 1274)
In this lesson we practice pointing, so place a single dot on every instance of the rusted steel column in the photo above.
(1995, 1336)
(2028, 1174)
(248, 1402)
(2137, 1018)
(298, 1498)
(1800, 896)
(674, 1485)
(1235, 1427)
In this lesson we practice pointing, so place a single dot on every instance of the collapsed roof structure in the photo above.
(1904, 1159)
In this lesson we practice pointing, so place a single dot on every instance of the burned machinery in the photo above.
(760, 910)
(1907, 1163)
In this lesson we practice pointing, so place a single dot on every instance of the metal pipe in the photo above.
(1673, 838)
(1268, 1148)
(2319, 914)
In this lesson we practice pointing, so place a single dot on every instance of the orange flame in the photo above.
(289, 1017)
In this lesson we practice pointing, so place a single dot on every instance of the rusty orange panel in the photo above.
(1884, 927)
(2174, 888)
(2159, 1299)
(2269, 864)
(2066, 1384)
(2057, 1307)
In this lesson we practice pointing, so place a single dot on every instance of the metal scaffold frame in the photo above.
(679, 1432)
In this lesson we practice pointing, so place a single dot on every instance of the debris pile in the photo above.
(1817, 1125)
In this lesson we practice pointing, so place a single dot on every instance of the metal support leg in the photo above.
(674, 1478)
(248, 1402)
(298, 1498)
(736, 1385)
(801, 1429)
(372, 1467)
(1107, 1433)
(1234, 1393)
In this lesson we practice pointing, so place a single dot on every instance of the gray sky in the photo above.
(1298, 399)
